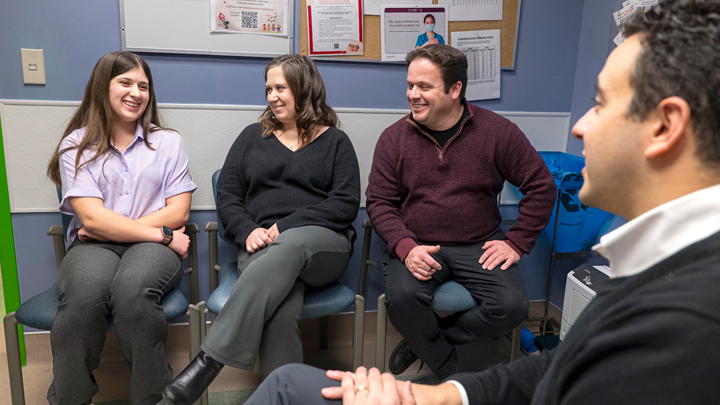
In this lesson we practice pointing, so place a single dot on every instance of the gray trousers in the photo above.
(294, 384)
(125, 282)
(263, 311)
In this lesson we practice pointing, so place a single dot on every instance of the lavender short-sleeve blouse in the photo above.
(134, 183)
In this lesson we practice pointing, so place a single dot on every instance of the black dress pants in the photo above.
(503, 303)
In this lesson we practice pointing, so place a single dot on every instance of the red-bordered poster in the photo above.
(335, 27)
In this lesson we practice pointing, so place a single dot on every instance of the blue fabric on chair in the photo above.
(39, 311)
(174, 304)
(317, 302)
(452, 297)
(227, 278)
(326, 300)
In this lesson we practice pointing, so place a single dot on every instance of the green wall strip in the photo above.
(8, 261)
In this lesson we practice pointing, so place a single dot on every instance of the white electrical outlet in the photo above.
(33, 66)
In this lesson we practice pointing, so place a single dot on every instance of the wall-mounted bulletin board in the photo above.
(508, 27)
(183, 27)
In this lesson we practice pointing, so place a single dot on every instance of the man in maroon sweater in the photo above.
(435, 179)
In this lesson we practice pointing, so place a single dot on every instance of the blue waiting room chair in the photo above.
(318, 302)
(39, 311)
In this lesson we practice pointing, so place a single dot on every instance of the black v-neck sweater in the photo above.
(263, 182)
(651, 338)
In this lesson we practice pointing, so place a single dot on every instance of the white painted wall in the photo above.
(32, 129)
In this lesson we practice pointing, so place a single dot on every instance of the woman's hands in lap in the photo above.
(259, 238)
(180, 242)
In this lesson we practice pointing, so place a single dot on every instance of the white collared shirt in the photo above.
(661, 232)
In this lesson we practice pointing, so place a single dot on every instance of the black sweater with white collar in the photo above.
(651, 338)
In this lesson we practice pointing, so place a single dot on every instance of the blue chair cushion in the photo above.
(321, 301)
(228, 276)
(317, 301)
(452, 297)
(174, 304)
(39, 311)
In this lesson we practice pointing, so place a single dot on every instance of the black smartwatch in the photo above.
(167, 234)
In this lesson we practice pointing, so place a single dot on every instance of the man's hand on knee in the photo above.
(419, 262)
(496, 252)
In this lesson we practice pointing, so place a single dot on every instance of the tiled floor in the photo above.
(113, 377)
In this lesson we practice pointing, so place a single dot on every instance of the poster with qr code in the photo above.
(265, 17)
(335, 27)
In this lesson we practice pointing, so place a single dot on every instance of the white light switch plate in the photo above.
(33, 66)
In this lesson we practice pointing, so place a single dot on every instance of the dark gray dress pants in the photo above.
(125, 282)
(503, 303)
(294, 384)
(263, 311)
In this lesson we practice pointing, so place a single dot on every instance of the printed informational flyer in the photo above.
(629, 8)
(249, 16)
(474, 10)
(624, 14)
(406, 28)
(372, 7)
(335, 27)
(482, 49)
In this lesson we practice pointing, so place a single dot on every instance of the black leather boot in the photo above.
(189, 385)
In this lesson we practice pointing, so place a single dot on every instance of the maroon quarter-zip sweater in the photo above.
(422, 194)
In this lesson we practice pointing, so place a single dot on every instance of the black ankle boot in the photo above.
(189, 385)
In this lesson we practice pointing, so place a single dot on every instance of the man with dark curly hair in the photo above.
(652, 147)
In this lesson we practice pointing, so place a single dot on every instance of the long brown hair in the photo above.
(96, 113)
(306, 85)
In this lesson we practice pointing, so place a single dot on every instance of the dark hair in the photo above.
(680, 57)
(96, 113)
(306, 85)
(452, 63)
(429, 15)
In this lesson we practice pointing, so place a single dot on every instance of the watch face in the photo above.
(167, 230)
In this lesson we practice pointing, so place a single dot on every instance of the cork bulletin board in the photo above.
(508, 27)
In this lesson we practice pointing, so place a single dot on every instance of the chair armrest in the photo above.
(58, 235)
(365, 257)
(191, 231)
(212, 229)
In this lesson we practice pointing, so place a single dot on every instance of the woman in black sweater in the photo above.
(288, 192)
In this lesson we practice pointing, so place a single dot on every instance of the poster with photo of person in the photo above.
(407, 28)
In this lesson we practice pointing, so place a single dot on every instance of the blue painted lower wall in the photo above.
(37, 270)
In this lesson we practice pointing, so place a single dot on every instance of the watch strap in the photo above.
(167, 234)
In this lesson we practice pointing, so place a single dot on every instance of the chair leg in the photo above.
(195, 315)
(358, 332)
(324, 327)
(12, 344)
(381, 337)
(200, 331)
(515, 343)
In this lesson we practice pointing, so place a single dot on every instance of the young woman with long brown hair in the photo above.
(126, 184)
(287, 195)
